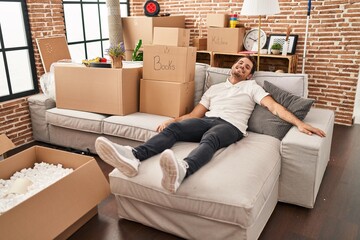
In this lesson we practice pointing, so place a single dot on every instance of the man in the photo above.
(219, 120)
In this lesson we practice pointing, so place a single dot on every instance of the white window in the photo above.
(86, 25)
(17, 65)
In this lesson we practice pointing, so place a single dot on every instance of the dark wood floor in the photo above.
(336, 214)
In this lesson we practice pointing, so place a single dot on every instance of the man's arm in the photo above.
(198, 112)
(278, 110)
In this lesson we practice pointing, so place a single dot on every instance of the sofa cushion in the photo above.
(215, 75)
(137, 126)
(77, 120)
(231, 188)
(200, 76)
(263, 121)
(296, 84)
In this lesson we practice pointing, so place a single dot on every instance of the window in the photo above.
(86, 24)
(17, 64)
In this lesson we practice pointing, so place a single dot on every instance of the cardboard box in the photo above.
(200, 43)
(178, 37)
(60, 209)
(5, 145)
(168, 63)
(99, 90)
(141, 27)
(225, 39)
(166, 98)
(217, 20)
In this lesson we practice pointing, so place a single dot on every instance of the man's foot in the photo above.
(120, 157)
(174, 170)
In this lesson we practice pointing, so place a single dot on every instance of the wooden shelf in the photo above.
(205, 57)
(268, 62)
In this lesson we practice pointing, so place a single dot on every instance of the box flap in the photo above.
(52, 49)
(5, 144)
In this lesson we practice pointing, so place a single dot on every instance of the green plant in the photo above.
(116, 50)
(137, 56)
(276, 46)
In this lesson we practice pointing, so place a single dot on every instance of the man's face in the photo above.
(242, 69)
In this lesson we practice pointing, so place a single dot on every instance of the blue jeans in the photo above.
(212, 133)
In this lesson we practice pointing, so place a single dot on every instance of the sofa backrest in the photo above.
(206, 76)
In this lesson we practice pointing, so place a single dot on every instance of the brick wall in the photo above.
(333, 49)
(333, 55)
(46, 19)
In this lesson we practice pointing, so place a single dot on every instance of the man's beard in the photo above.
(238, 75)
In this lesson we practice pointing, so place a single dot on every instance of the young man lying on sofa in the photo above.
(219, 120)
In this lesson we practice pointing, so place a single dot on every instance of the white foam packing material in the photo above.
(41, 176)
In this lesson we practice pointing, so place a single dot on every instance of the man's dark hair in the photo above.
(252, 59)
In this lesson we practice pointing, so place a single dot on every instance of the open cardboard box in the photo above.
(60, 209)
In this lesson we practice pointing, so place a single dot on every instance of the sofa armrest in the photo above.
(304, 160)
(38, 104)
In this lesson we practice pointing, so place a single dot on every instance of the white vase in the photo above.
(285, 48)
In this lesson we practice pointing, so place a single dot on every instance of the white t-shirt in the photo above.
(233, 103)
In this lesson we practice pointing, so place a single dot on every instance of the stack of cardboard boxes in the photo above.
(167, 87)
(221, 38)
(116, 91)
(141, 27)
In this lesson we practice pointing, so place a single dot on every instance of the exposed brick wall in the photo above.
(333, 55)
(46, 19)
(15, 121)
(333, 48)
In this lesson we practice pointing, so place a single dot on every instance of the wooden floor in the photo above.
(336, 214)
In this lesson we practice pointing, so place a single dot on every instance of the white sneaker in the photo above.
(174, 170)
(120, 157)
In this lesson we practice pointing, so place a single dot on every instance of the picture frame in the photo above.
(280, 38)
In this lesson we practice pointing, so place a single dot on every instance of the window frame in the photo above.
(29, 48)
(85, 41)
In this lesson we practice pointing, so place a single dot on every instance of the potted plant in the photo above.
(137, 55)
(117, 54)
(276, 48)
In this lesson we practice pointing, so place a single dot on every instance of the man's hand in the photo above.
(309, 130)
(278, 110)
(163, 125)
(198, 112)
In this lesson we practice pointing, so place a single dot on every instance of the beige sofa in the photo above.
(233, 196)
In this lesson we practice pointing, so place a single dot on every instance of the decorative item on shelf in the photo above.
(286, 43)
(137, 55)
(275, 48)
(233, 20)
(117, 54)
(251, 39)
(280, 38)
(259, 8)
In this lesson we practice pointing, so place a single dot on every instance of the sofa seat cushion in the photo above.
(137, 126)
(78, 120)
(233, 187)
